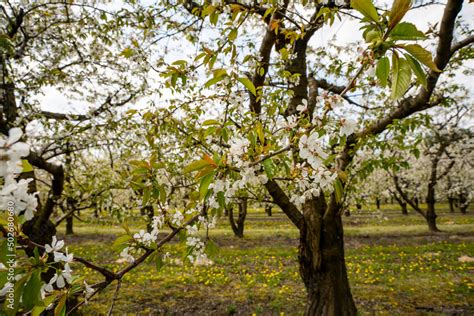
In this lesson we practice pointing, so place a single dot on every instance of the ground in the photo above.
(395, 266)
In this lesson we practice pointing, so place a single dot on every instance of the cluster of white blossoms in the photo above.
(310, 182)
(15, 193)
(310, 149)
(62, 276)
(197, 246)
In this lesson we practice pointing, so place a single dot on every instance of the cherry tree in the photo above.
(263, 120)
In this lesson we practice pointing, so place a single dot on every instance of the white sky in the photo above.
(342, 32)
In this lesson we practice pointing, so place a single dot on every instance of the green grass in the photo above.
(395, 268)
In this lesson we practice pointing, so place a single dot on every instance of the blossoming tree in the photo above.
(278, 115)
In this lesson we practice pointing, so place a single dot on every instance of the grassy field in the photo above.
(395, 266)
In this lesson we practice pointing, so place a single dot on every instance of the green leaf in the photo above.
(406, 31)
(366, 7)
(121, 242)
(127, 52)
(213, 81)
(382, 70)
(248, 84)
(259, 131)
(38, 309)
(338, 190)
(204, 185)
(32, 291)
(269, 168)
(398, 11)
(195, 165)
(422, 55)
(417, 70)
(232, 34)
(27, 167)
(60, 309)
(401, 75)
(221, 199)
(210, 122)
(162, 194)
(18, 290)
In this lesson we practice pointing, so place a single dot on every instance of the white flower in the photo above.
(291, 122)
(177, 218)
(128, 257)
(371, 71)
(302, 107)
(337, 102)
(218, 186)
(347, 127)
(59, 256)
(11, 152)
(340, 2)
(61, 278)
(145, 237)
(6, 288)
(324, 2)
(88, 290)
(238, 146)
(310, 149)
(56, 245)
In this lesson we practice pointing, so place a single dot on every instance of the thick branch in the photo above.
(282, 200)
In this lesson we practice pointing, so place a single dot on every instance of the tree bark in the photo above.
(403, 206)
(268, 209)
(238, 226)
(463, 204)
(377, 202)
(322, 263)
(430, 212)
(451, 204)
(69, 225)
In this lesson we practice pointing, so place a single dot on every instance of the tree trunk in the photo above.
(268, 209)
(377, 202)
(322, 263)
(430, 212)
(451, 204)
(238, 226)
(69, 225)
(403, 206)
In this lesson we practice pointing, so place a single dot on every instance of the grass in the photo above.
(395, 268)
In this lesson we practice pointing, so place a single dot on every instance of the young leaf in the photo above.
(398, 11)
(32, 290)
(382, 70)
(406, 32)
(417, 70)
(213, 81)
(401, 74)
(248, 84)
(195, 165)
(422, 55)
(204, 185)
(366, 7)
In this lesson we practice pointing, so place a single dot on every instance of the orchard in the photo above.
(240, 157)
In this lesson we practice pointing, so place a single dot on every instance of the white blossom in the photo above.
(128, 257)
(347, 127)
